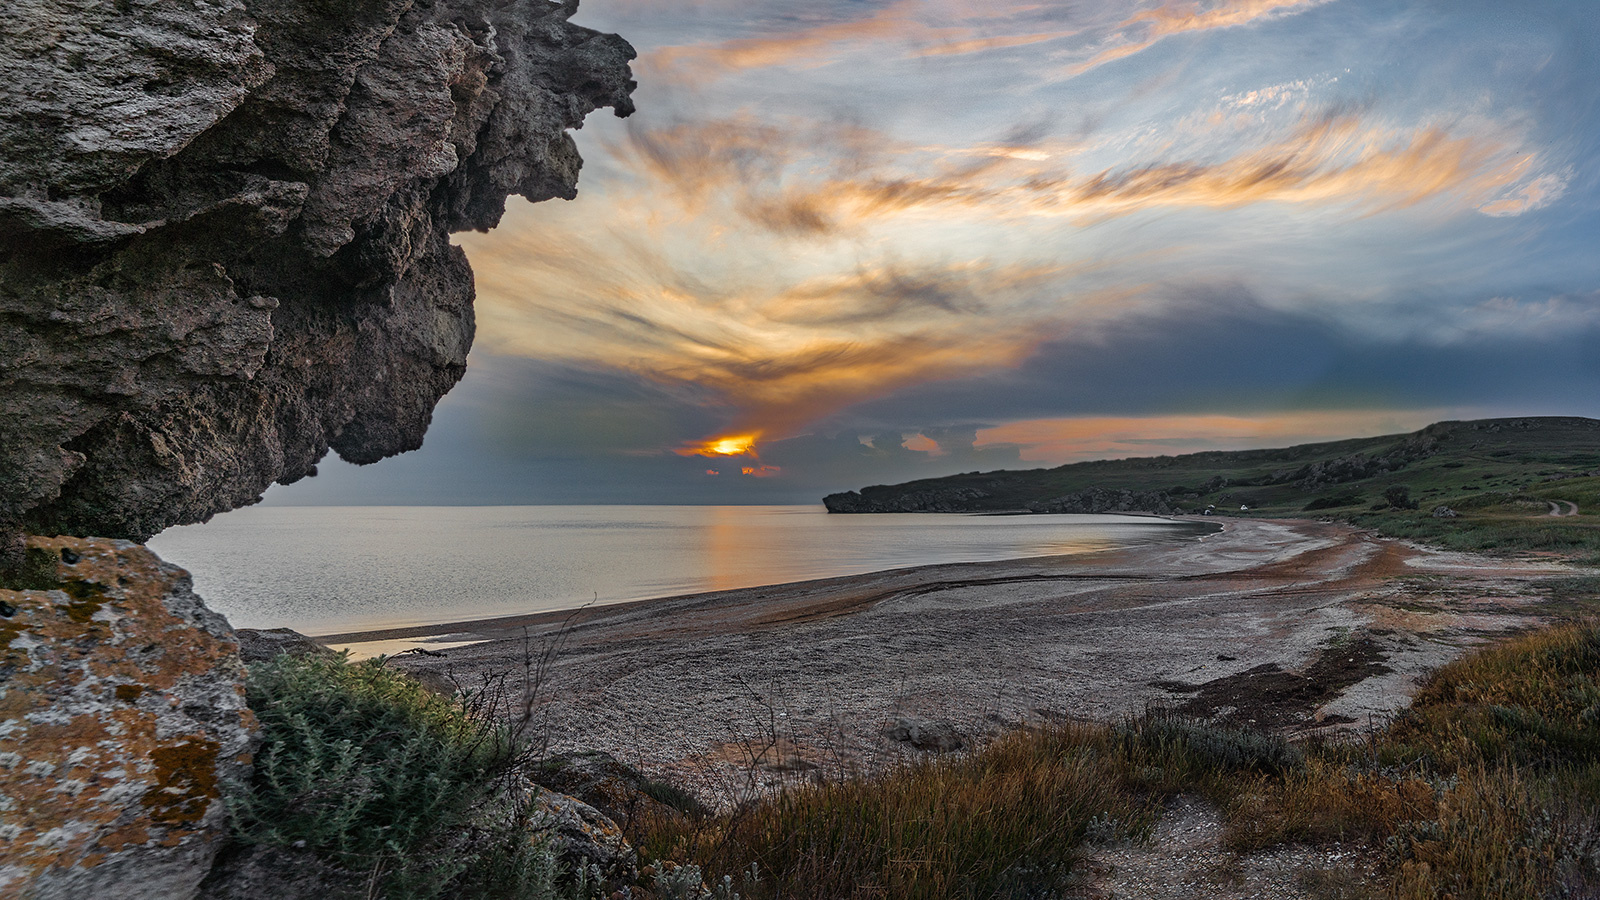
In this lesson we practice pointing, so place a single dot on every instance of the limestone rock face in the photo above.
(122, 722)
(224, 233)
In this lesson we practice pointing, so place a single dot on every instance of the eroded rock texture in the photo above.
(224, 233)
(122, 723)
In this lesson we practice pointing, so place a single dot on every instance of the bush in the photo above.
(1399, 497)
(1334, 502)
(375, 774)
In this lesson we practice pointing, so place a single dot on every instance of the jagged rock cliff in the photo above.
(224, 233)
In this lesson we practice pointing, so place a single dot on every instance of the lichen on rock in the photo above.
(122, 725)
(224, 234)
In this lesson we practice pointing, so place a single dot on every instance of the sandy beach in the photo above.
(1287, 624)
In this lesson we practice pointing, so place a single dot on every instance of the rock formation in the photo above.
(122, 723)
(224, 234)
(224, 251)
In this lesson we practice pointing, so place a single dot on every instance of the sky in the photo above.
(850, 242)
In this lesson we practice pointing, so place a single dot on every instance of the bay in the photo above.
(326, 570)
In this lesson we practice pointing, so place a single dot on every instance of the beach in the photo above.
(1296, 625)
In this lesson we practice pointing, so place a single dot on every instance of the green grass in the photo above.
(414, 793)
(1486, 788)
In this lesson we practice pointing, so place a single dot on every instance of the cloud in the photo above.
(1534, 194)
(818, 179)
(1143, 30)
(905, 29)
(789, 322)
(773, 352)
(810, 45)
(910, 29)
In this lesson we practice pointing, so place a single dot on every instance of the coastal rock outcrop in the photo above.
(122, 724)
(224, 234)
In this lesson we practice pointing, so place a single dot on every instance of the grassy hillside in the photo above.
(1502, 477)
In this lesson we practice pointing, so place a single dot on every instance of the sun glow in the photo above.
(732, 445)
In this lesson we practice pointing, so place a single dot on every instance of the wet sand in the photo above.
(1297, 625)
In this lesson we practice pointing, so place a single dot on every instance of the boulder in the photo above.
(262, 644)
(616, 789)
(926, 734)
(255, 871)
(584, 837)
(122, 725)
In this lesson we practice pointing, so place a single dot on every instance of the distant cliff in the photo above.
(224, 234)
(1448, 458)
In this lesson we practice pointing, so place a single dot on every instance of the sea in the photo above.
(326, 570)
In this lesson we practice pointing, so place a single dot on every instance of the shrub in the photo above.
(1334, 502)
(1199, 747)
(1399, 497)
(377, 775)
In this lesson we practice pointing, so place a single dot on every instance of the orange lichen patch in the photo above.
(186, 782)
(87, 598)
(102, 655)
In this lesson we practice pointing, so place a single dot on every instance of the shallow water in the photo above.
(325, 570)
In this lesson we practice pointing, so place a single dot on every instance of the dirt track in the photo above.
(1299, 625)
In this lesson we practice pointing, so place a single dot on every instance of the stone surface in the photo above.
(252, 872)
(619, 791)
(122, 721)
(935, 735)
(224, 234)
(583, 836)
(262, 644)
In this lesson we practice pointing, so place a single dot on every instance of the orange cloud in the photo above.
(809, 45)
(1057, 441)
(901, 23)
(778, 332)
(1153, 25)
(760, 172)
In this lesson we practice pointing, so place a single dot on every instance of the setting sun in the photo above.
(734, 445)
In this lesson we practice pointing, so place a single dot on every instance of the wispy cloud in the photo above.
(821, 179)
(1536, 193)
(912, 29)
(907, 29)
(1144, 29)
(776, 353)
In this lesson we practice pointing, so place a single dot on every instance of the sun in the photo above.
(731, 446)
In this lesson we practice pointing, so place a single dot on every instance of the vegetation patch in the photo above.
(1488, 786)
(1269, 697)
(422, 796)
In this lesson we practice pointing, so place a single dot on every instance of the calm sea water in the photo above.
(324, 570)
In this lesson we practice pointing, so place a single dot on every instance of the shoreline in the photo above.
(787, 679)
(502, 627)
